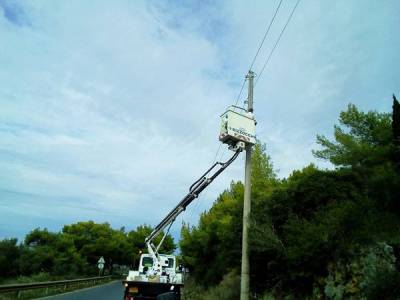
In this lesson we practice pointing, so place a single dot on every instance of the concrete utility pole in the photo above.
(245, 280)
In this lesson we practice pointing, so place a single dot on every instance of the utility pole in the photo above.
(245, 274)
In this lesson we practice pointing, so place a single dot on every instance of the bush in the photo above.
(227, 289)
(381, 280)
(9, 254)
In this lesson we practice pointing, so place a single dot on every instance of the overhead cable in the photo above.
(240, 93)
(252, 63)
(277, 42)
(256, 55)
(265, 35)
(259, 48)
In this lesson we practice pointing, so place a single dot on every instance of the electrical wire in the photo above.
(216, 154)
(254, 60)
(259, 48)
(265, 35)
(252, 64)
(240, 93)
(276, 43)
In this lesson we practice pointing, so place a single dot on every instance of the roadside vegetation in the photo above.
(72, 253)
(318, 234)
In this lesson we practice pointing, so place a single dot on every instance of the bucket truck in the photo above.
(157, 276)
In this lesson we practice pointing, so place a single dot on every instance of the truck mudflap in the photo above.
(141, 290)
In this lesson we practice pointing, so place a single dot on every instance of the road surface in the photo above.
(109, 291)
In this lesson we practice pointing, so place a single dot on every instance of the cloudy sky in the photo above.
(110, 109)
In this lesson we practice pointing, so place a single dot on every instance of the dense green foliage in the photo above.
(318, 234)
(396, 132)
(227, 289)
(74, 251)
(9, 253)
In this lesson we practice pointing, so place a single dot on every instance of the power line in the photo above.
(253, 61)
(216, 154)
(265, 35)
(240, 93)
(259, 48)
(277, 42)
(256, 55)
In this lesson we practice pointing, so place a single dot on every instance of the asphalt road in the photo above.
(109, 291)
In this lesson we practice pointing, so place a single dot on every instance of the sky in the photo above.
(109, 110)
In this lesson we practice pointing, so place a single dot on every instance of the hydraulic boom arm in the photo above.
(195, 189)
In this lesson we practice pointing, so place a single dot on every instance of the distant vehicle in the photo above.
(158, 276)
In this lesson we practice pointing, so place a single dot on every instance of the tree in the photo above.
(311, 234)
(136, 243)
(263, 176)
(213, 248)
(40, 237)
(94, 240)
(75, 250)
(309, 219)
(364, 143)
(39, 251)
(361, 140)
(396, 132)
(53, 253)
(9, 255)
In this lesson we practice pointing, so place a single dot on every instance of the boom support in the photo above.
(195, 189)
(157, 274)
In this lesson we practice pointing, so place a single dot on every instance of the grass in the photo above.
(227, 289)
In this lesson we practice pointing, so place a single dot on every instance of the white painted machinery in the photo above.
(238, 127)
(157, 273)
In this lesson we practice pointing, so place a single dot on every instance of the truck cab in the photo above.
(169, 271)
(143, 284)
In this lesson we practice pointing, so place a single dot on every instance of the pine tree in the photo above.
(396, 131)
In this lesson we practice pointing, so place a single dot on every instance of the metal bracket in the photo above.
(239, 146)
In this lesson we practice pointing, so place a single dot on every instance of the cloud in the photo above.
(110, 112)
(111, 117)
(14, 13)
